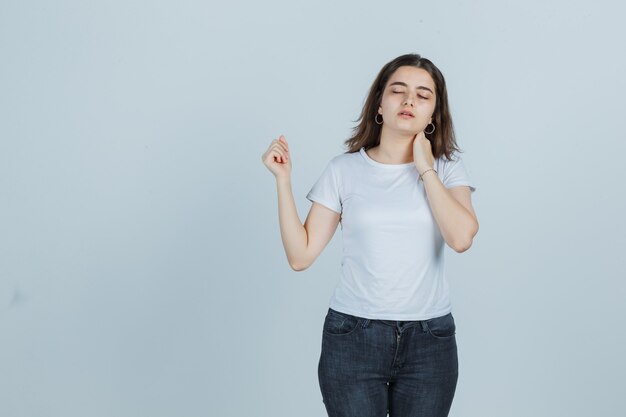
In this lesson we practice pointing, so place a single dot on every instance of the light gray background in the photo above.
(142, 271)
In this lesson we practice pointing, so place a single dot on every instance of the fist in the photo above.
(277, 159)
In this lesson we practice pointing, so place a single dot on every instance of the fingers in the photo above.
(279, 153)
(281, 147)
(278, 150)
(282, 142)
(419, 136)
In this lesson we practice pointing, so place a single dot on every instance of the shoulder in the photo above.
(443, 163)
(344, 160)
(345, 157)
(454, 156)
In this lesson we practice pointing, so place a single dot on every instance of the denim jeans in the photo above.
(368, 368)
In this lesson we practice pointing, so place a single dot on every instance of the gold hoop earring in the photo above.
(376, 119)
(431, 130)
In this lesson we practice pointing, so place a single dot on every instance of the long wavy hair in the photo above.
(367, 132)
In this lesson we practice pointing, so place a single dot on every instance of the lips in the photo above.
(406, 113)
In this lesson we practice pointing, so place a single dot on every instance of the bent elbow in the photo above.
(300, 263)
(298, 266)
(462, 247)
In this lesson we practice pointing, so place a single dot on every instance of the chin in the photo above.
(408, 131)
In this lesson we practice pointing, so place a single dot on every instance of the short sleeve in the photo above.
(326, 190)
(455, 174)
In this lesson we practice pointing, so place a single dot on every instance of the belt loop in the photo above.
(423, 324)
(365, 323)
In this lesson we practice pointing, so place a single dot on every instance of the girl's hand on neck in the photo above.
(422, 153)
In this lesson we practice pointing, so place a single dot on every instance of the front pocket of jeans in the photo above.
(441, 327)
(340, 324)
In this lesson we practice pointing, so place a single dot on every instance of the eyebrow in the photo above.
(420, 87)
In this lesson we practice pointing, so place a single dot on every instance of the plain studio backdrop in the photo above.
(142, 271)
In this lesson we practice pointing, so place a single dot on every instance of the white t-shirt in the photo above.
(392, 265)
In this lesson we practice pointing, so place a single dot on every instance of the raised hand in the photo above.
(277, 159)
(422, 153)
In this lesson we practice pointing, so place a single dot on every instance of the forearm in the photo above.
(292, 230)
(456, 223)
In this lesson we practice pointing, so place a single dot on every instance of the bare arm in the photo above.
(302, 243)
(292, 231)
(453, 211)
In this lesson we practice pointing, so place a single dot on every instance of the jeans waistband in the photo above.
(398, 324)
(403, 324)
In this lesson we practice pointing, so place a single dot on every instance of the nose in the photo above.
(409, 99)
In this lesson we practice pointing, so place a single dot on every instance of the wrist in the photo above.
(426, 171)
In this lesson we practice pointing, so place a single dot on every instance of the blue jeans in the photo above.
(368, 368)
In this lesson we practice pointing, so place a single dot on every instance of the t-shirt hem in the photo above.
(399, 317)
(457, 184)
(326, 203)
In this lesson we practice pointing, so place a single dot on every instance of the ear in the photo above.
(380, 110)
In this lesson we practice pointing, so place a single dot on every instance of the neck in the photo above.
(394, 148)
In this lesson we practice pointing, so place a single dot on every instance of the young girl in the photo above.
(400, 192)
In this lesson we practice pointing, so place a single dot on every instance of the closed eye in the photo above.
(400, 92)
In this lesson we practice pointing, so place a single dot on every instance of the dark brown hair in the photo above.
(367, 132)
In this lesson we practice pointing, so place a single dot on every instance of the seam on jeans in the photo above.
(434, 335)
(338, 314)
(356, 326)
